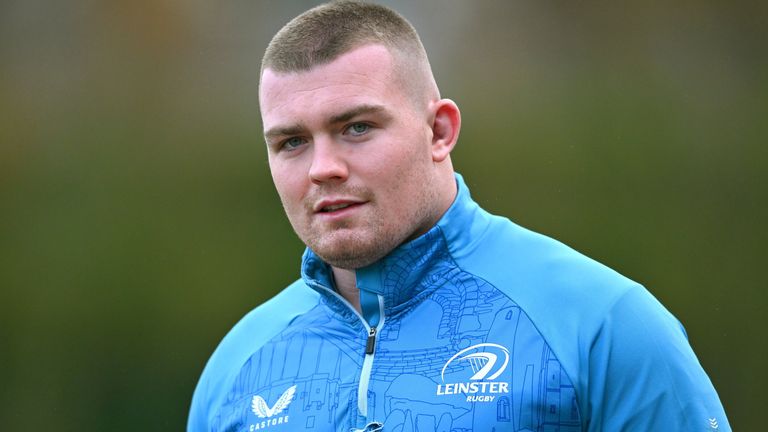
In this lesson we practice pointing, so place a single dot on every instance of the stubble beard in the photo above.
(355, 244)
(351, 249)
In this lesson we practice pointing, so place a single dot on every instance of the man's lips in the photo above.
(335, 205)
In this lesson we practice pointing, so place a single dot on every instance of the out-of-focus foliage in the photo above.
(138, 221)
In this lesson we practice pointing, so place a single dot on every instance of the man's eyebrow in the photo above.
(279, 131)
(356, 111)
(297, 129)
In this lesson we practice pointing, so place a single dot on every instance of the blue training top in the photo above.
(478, 325)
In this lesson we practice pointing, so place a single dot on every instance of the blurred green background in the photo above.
(138, 221)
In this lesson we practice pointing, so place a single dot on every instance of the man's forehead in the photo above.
(360, 77)
(365, 60)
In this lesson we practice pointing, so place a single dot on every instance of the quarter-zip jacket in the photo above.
(477, 325)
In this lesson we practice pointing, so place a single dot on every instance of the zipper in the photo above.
(370, 347)
(370, 352)
(370, 344)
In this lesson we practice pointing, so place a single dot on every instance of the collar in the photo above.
(412, 270)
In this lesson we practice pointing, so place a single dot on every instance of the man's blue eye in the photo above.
(359, 128)
(292, 143)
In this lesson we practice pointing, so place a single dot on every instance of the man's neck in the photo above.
(346, 286)
(346, 280)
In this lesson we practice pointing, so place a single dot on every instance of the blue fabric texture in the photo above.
(484, 326)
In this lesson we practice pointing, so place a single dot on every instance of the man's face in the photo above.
(350, 156)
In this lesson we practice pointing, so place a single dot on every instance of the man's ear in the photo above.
(445, 128)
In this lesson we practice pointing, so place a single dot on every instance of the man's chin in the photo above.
(349, 259)
(350, 254)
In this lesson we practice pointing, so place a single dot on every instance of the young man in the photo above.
(417, 310)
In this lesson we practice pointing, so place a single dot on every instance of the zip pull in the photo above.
(370, 427)
(371, 344)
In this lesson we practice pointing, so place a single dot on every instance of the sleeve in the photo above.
(198, 412)
(644, 376)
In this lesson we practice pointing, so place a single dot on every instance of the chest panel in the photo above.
(464, 358)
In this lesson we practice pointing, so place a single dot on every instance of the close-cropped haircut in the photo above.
(322, 34)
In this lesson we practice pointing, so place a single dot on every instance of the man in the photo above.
(417, 310)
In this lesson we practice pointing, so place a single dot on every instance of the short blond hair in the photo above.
(322, 34)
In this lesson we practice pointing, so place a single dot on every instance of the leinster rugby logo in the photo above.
(487, 362)
(262, 410)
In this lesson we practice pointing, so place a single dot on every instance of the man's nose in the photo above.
(328, 162)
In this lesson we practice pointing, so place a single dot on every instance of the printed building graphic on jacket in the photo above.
(321, 354)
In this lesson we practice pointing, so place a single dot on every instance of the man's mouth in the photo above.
(338, 205)
(335, 207)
